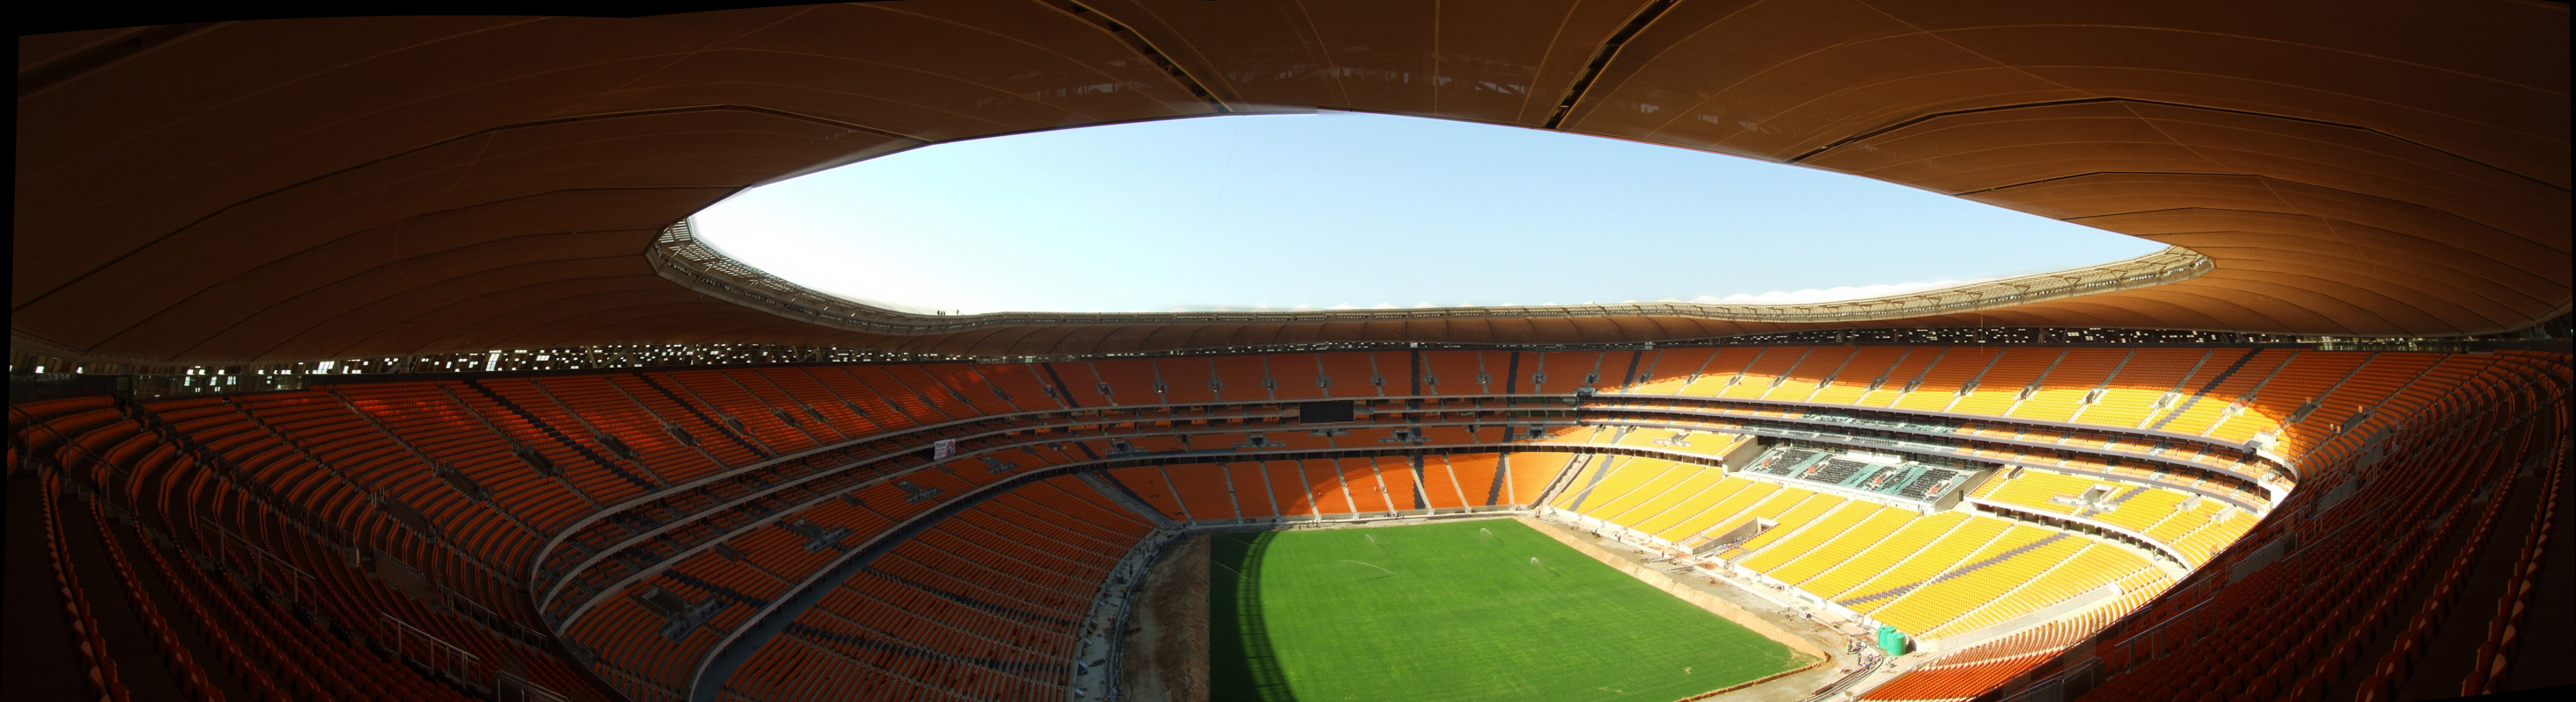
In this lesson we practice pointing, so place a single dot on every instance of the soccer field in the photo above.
(1457, 611)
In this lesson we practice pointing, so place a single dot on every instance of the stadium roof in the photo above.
(335, 188)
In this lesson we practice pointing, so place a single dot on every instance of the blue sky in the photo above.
(1358, 210)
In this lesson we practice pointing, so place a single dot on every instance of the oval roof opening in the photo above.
(1349, 210)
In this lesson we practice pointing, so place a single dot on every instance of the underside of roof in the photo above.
(331, 188)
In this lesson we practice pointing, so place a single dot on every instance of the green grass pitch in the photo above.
(1457, 611)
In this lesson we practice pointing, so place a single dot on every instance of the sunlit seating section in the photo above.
(2130, 397)
(1714, 376)
(1976, 537)
(1418, 490)
(1456, 373)
(1854, 378)
(1854, 560)
(2042, 454)
(1813, 511)
(2342, 408)
(1561, 372)
(1527, 474)
(2163, 390)
(2059, 394)
(1999, 386)
(1395, 373)
(1909, 367)
(2203, 405)
(1634, 482)
(1478, 477)
(1951, 571)
(1444, 488)
(1941, 382)
(2094, 565)
(1586, 470)
(1332, 491)
(1781, 508)
(2304, 379)
(1721, 504)
(1802, 381)
(1369, 491)
(1677, 500)
(2008, 567)
(2201, 544)
(1667, 371)
(1770, 551)
(1605, 478)
(1758, 374)
(1720, 508)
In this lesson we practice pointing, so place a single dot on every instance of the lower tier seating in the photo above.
(988, 605)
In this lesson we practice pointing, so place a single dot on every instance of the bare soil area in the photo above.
(1166, 642)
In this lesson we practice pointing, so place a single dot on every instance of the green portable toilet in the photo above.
(1891, 641)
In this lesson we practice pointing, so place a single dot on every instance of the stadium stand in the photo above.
(659, 545)
(397, 371)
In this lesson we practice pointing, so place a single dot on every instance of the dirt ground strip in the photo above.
(1165, 658)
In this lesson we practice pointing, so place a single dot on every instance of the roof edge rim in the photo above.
(678, 255)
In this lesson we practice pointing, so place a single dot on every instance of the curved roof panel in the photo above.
(331, 188)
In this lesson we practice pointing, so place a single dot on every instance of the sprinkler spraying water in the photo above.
(1372, 565)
